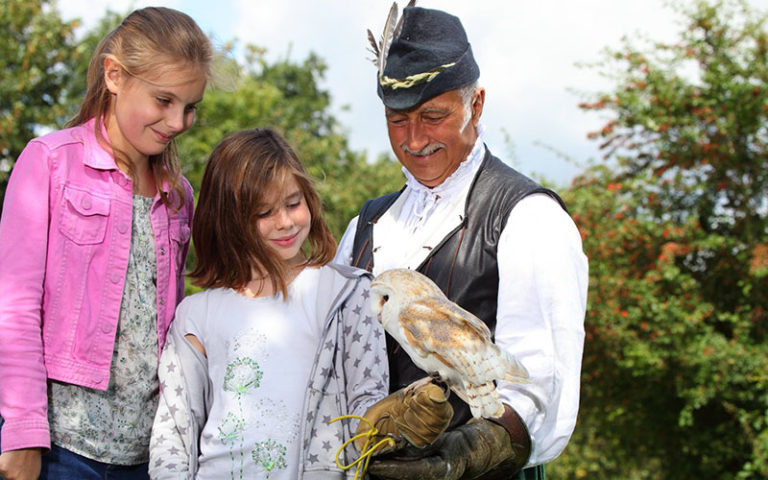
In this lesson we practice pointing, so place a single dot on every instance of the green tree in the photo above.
(286, 95)
(37, 54)
(85, 45)
(46, 82)
(675, 370)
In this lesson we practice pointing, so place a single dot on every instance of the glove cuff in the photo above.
(518, 434)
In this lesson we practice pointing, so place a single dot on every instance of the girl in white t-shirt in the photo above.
(279, 343)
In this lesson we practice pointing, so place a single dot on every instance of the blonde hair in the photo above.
(147, 40)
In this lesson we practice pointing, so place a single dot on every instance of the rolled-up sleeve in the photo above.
(541, 306)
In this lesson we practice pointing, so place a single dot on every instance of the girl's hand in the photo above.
(23, 464)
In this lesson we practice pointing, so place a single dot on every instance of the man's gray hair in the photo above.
(466, 92)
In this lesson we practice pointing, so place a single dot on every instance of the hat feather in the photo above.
(387, 36)
(392, 27)
(374, 47)
(399, 26)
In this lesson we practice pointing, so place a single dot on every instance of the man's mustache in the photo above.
(427, 150)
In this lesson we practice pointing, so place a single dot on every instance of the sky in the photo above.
(529, 54)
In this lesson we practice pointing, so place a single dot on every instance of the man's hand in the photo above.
(414, 415)
(23, 464)
(465, 452)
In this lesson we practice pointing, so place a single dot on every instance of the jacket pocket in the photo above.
(179, 234)
(84, 216)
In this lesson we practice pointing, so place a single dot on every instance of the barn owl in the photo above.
(444, 339)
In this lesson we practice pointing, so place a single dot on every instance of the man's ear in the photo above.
(478, 101)
(113, 74)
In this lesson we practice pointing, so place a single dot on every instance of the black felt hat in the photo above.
(430, 56)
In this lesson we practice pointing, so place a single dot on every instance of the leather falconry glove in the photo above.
(478, 449)
(415, 415)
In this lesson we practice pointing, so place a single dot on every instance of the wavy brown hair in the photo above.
(242, 169)
(147, 40)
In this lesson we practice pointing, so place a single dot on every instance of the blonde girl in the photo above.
(93, 239)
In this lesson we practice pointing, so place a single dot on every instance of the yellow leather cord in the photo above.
(367, 450)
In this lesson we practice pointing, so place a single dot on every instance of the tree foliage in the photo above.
(45, 82)
(85, 44)
(287, 96)
(675, 377)
(36, 55)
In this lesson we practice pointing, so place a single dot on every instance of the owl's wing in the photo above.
(457, 315)
(452, 335)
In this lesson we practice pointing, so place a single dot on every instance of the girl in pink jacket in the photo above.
(93, 237)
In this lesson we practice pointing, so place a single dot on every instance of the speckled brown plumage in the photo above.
(444, 339)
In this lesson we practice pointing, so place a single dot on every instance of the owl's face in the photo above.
(393, 289)
(385, 301)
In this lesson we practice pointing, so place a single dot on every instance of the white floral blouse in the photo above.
(114, 426)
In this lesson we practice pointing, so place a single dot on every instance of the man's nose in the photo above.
(417, 137)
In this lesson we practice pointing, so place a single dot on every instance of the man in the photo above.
(497, 243)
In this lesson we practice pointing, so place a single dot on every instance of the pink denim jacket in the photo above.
(64, 245)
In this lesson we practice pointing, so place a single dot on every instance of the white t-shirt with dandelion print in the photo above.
(260, 353)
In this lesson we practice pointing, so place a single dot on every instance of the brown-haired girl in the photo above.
(281, 341)
(93, 239)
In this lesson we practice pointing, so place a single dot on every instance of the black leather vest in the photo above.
(464, 263)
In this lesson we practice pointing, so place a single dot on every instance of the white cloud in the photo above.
(91, 11)
(526, 51)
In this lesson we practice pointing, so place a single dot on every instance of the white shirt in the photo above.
(542, 295)
(260, 352)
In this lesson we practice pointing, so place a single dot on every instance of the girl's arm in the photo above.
(21, 464)
(23, 252)
(365, 363)
(173, 446)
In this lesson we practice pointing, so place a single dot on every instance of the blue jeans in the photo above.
(61, 464)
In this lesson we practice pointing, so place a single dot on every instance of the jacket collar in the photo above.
(96, 155)
(99, 156)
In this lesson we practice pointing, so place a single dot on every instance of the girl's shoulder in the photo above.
(71, 147)
(334, 278)
(80, 135)
(336, 283)
(200, 301)
(200, 309)
(347, 272)
(204, 295)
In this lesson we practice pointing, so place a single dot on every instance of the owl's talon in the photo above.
(418, 384)
(445, 387)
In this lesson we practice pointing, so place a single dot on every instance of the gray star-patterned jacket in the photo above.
(350, 374)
